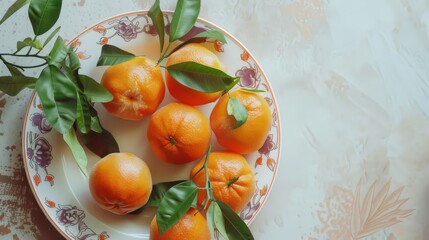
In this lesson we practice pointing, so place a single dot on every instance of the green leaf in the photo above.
(14, 8)
(51, 36)
(111, 55)
(158, 192)
(76, 149)
(43, 14)
(200, 77)
(237, 109)
(28, 42)
(184, 17)
(83, 114)
(14, 70)
(210, 221)
(201, 37)
(58, 53)
(59, 98)
(158, 21)
(74, 61)
(236, 228)
(96, 125)
(175, 203)
(100, 144)
(12, 85)
(94, 90)
(218, 220)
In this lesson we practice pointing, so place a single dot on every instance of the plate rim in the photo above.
(165, 12)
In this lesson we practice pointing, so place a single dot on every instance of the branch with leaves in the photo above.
(68, 99)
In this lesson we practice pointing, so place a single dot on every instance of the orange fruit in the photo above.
(120, 183)
(178, 133)
(231, 177)
(191, 226)
(197, 53)
(250, 136)
(137, 87)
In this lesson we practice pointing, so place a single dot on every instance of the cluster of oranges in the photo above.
(179, 133)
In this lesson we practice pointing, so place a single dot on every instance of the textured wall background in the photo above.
(351, 79)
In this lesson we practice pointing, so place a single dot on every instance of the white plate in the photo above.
(61, 189)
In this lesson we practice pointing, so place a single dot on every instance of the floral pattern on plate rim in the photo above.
(72, 218)
(128, 26)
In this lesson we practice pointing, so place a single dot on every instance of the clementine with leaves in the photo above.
(120, 183)
(192, 225)
(231, 177)
(197, 53)
(178, 133)
(137, 87)
(248, 137)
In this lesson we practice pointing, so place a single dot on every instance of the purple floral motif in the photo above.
(254, 204)
(40, 157)
(86, 233)
(72, 219)
(41, 122)
(68, 215)
(249, 77)
(250, 208)
(41, 153)
(268, 146)
(126, 29)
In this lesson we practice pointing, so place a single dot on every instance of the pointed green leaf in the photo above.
(184, 17)
(83, 114)
(28, 42)
(158, 192)
(51, 36)
(12, 85)
(14, 70)
(201, 37)
(215, 221)
(44, 14)
(235, 227)
(94, 90)
(158, 21)
(237, 109)
(58, 95)
(74, 61)
(218, 220)
(14, 8)
(96, 125)
(200, 77)
(100, 144)
(58, 53)
(76, 149)
(111, 55)
(175, 203)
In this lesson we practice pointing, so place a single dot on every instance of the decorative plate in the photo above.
(62, 190)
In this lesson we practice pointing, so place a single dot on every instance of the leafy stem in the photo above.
(208, 184)
(23, 55)
(20, 66)
(31, 47)
(164, 54)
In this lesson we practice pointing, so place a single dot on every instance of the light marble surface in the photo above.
(351, 79)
